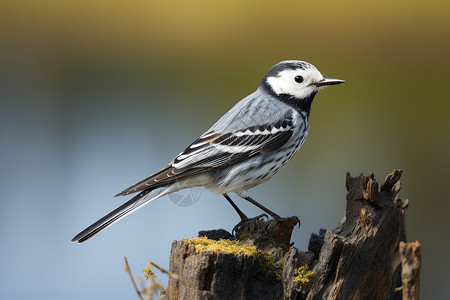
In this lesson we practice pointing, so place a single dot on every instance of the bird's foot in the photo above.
(245, 220)
(259, 230)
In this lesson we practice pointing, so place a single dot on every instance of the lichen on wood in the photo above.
(304, 276)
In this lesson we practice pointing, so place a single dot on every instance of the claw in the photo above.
(238, 226)
(260, 217)
(294, 217)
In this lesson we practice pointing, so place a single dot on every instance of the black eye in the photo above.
(298, 79)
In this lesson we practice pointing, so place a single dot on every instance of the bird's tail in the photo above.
(130, 206)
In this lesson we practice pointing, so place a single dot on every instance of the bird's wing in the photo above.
(214, 150)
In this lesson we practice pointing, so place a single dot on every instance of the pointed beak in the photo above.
(329, 81)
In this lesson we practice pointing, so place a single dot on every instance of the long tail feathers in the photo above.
(130, 206)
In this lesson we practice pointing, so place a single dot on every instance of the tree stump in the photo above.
(364, 257)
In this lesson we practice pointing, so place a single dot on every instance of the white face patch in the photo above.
(284, 82)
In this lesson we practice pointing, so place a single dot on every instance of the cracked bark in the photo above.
(364, 257)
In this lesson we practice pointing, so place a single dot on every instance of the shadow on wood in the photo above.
(365, 257)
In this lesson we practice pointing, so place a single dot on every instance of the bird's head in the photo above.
(296, 79)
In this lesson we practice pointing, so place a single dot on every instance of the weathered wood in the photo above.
(360, 259)
(411, 258)
(365, 257)
(217, 275)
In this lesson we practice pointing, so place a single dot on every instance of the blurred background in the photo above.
(95, 96)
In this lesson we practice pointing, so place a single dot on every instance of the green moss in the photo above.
(203, 244)
(148, 271)
(266, 265)
(154, 289)
(304, 276)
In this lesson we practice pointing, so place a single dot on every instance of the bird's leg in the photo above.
(244, 218)
(240, 213)
(271, 213)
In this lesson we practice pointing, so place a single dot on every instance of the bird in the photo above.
(246, 147)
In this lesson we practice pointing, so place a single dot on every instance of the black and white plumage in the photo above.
(243, 149)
